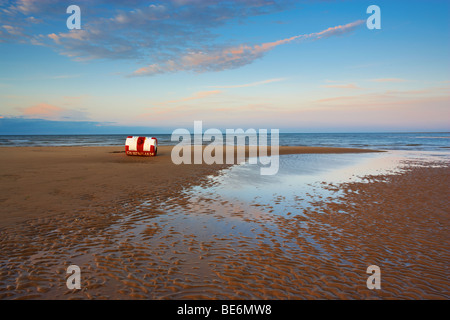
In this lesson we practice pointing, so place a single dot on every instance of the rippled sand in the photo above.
(174, 247)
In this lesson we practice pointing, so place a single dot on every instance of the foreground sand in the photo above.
(63, 206)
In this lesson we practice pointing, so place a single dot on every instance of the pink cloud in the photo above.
(13, 30)
(253, 84)
(341, 86)
(196, 96)
(52, 112)
(42, 110)
(333, 99)
(233, 57)
(53, 36)
(338, 30)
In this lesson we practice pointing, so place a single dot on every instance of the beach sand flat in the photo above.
(41, 181)
(76, 205)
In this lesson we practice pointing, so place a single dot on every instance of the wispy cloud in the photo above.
(389, 80)
(253, 84)
(42, 110)
(65, 76)
(336, 99)
(234, 57)
(195, 96)
(342, 86)
(52, 112)
(387, 97)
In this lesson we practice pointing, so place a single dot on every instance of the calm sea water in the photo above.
(381, 141)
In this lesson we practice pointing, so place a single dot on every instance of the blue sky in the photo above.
(297, 66)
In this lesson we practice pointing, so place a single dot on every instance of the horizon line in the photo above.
(118, 134)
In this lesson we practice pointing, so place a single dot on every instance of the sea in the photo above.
(419, 141)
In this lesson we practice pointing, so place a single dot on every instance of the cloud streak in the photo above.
(234, 57)
(388, 80)
(246, 85)
(52, 112)
(196, 96)
(342, 86)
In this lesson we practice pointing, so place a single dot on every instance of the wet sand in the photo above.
(41, 181)
(63, 206)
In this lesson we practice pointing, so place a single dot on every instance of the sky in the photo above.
(296, 66)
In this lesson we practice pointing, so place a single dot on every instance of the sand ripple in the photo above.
(209, 250)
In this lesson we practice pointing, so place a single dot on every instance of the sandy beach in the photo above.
(135, 235)
(41, 181)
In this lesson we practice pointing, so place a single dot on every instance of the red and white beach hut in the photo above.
(141, 146)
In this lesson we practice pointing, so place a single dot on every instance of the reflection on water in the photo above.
(303, 179)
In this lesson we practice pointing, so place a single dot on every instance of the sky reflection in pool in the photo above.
(302, 179)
